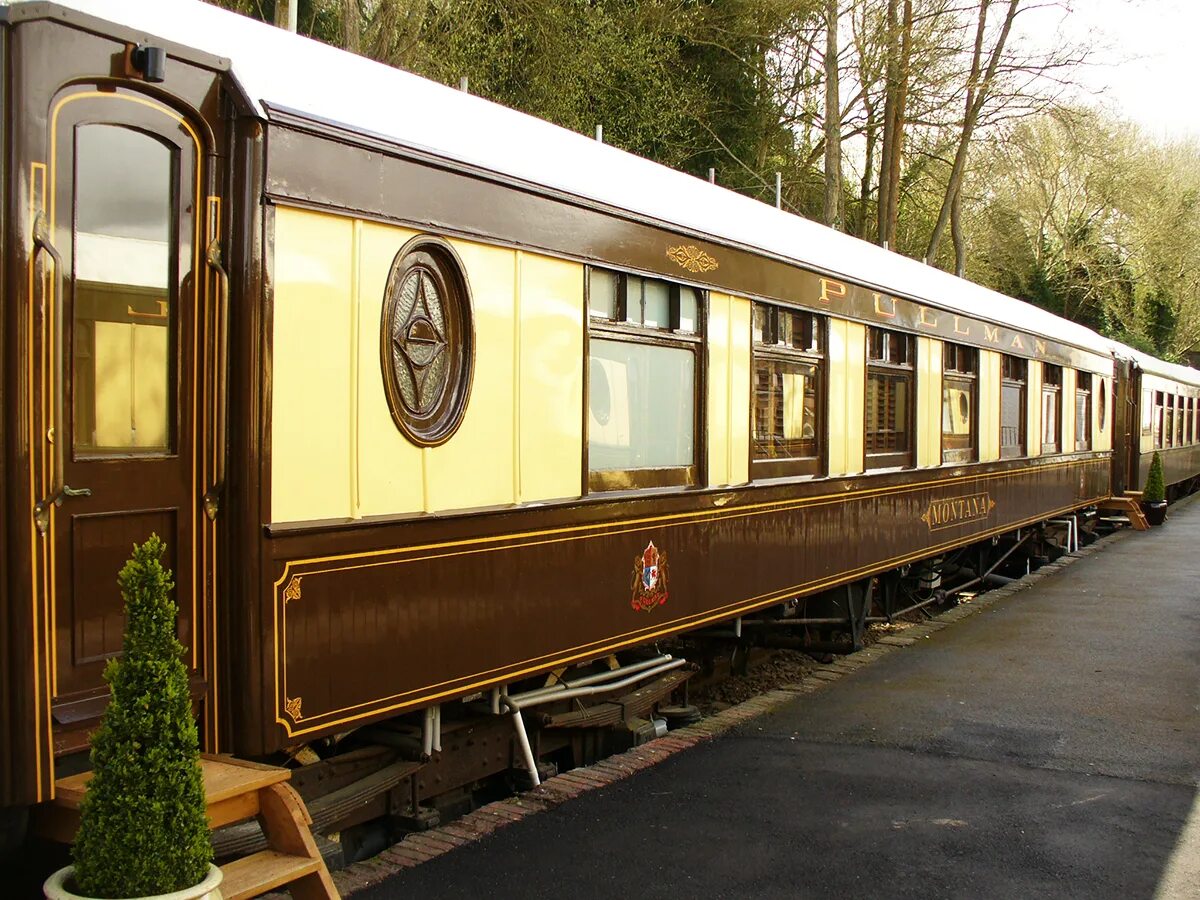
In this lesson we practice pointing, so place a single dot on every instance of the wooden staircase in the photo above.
(236, 790)
(1130, 504)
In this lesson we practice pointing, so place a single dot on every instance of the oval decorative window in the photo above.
(1103, 400)
(427, 341)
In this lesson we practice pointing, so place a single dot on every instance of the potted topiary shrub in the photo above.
(143, 829)
(1154, 495)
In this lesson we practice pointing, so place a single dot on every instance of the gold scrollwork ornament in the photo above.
(292, 591)
(692, 258)
(292, 708)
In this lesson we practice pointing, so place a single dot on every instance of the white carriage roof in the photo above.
(281, 69)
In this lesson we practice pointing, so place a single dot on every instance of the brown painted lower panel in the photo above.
(452, 606)
(1179, 464)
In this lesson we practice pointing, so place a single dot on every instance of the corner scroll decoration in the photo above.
(292, 591)
(292, 708)
(692, 258)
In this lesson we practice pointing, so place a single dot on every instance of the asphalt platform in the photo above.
(1046, 746)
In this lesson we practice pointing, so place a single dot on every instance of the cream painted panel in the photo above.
(311, 375)
(1068, 410)
(847, 385)
(740, 310)
(550, 399)
(929, 402)
(476, 466)
(1146, 402)
(1033, 409)
(718, 339)
(390, 468)
(989, 405)
(114, 383)
(1103, 436)
(151, 364)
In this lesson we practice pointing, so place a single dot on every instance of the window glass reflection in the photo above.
(642, 401)
(123, 309)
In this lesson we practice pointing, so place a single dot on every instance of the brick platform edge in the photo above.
(420, 847)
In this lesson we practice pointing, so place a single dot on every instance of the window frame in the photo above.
(1052, 388)
(1022, 446)
(960, 378)
(896, 459)
(1083, 445)
(814, 466)
(596, 327)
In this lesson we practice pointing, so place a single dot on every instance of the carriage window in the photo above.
(1169, 420)
(1178, 421)
(960, 367)
(1159, 415)
(1102, 408)
(889, 398)
(789, 362)
(1051, 408)
(1191, 420)
(1083, 410)
(1014, 377)
(642, 374)
(125, 263)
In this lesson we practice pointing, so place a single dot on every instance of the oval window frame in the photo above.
(1103, 402)
(436, 258)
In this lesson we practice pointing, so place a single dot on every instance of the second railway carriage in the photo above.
(429, 397)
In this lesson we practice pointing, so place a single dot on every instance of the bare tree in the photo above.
(833, 121)
(978, 86)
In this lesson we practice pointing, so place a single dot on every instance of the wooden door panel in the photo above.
(100, 544)
(127, 221)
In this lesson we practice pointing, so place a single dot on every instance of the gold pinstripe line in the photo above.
(34, 171)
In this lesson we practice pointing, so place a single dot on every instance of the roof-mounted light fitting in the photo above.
(150, 62)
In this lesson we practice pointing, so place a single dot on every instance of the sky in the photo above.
(1144, 67)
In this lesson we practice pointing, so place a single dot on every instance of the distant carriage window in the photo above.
(1191, 420)
(789, 391)
(126, 274)
(644, 346)
(1083, 410)
(960, 368)
(1051, 408)
(1169, 421)
(1013, 381)
(1159, 415)
(891, 378)
(1178, 421)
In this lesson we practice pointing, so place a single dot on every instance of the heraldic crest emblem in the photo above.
(649, 579)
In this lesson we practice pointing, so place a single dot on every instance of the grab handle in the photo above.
(212, 497)
(59, 490)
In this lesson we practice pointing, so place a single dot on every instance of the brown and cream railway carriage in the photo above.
(429, 398)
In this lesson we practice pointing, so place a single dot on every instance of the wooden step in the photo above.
(235, 790)
(264, 871)
(1132, 508)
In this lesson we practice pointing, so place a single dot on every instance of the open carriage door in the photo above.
(128, 338)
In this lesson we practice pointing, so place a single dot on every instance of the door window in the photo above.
(124, 311)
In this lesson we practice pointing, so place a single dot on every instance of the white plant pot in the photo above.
(208, 889)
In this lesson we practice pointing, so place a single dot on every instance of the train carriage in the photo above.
(429, 397)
